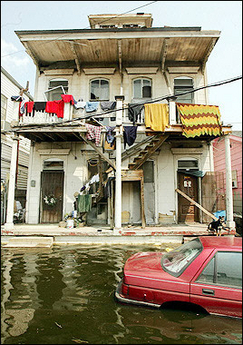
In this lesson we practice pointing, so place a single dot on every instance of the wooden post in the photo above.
(196, 204)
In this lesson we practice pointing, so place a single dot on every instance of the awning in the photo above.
(198, 119)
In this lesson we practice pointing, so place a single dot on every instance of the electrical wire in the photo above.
(103, 114)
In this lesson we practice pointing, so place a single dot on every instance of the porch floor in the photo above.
(188, 229)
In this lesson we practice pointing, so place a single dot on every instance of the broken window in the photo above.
(57, 87)
(99, 90)
(142, 88)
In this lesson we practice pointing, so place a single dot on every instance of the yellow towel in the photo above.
(156, 116)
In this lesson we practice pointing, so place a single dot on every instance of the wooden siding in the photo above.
(236, 164)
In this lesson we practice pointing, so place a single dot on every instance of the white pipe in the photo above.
(118, 185)
(229, 197)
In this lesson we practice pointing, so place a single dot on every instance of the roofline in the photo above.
(154, 29)
(3, 70)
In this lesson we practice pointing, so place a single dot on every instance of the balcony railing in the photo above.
(106, 118)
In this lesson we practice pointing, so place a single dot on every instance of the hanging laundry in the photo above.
(80, 104)
(16, 98)
(110, 136)
(91, 106)
(94, 179)
(156, 116)
(55, 107)
(40, 106)
(110, 105)
(68, 99)
(29, 107)
(93, 132)
(134, 110)
(22, 107)
(199, 119)
(84, 203)
(129, 135)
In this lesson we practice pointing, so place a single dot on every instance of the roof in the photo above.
(221, 242)
(142, 46)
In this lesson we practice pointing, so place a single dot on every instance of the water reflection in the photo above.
(65, 295)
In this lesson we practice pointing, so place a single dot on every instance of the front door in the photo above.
(187, 212)
(51, 196)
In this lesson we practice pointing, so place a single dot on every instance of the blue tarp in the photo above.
(220, 213)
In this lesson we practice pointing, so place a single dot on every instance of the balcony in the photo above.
(104, 117)
(43, 126)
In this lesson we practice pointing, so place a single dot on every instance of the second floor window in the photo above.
(57, 87)
(181, 85)
(99, 90)
(142, 88)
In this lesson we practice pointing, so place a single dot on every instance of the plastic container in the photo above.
(70, 223)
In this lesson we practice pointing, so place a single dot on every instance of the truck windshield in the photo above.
(176, 261)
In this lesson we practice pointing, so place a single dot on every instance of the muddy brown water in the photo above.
(65, 295)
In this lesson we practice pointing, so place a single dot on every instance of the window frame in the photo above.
(141, 90)
(183, 87)
(215, 271)
(90, 88)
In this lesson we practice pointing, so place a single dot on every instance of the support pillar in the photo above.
(118, 185)
(11, 187)
(229, 195)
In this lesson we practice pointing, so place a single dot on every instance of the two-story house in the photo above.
(120, 122)
(10, 87)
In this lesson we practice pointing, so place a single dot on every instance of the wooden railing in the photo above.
(106, 118)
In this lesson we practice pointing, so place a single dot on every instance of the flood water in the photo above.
(65, 295)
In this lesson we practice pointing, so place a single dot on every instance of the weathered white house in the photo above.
(141, 80)
(9, 88)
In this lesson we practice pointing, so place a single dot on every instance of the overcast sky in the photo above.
(225, 61)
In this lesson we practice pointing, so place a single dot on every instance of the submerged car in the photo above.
(205, 272)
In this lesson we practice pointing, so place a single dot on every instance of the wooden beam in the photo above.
(77, 136)
(120, 55)
(100, 153)
(163, 54)
(61, 136)
(75, 57)
(196, 204)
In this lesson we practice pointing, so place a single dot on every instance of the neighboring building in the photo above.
(120, 61)
(236, 166)
(10, 87)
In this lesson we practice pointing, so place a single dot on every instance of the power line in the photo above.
(166, 97)
(56, 39)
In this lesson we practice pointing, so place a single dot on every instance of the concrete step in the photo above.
(29, 242)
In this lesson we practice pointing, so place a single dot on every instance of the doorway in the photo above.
(51, 196)
(187, 212)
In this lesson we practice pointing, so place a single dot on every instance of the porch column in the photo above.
(228, 175)
(11, 187)
(118, 186)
